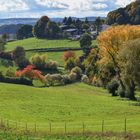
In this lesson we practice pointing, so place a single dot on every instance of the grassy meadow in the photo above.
(72, 104)
(34, 43)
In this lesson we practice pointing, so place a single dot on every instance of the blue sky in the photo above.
(58, 8)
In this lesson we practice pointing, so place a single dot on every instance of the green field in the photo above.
(72, 104)
(33, 43)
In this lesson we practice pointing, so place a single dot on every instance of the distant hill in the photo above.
(12, 25)
(127, 15)
(32, 21)
(10, 29)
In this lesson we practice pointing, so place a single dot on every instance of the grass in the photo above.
(33, 43)
(98, 136)
(73, 104)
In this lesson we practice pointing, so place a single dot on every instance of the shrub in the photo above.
(70, 63)
(19, 57)
(52, 65)
(112, 87)
(6, 63)
(73, 77)
(15, 80)
(66, 79)
(68, 54)
(85, 79)
(78, 72)
(41, 62)
(54, 79)
(30, 73)
(10, 72)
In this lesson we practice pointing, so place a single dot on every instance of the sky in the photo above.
(58, 8)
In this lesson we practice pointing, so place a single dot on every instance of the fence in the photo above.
(124, 125)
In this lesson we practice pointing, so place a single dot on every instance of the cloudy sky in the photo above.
(58, 8)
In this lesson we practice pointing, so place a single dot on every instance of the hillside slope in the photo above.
(73, 103)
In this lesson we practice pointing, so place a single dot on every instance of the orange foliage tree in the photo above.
(30, 73)
(68, 54)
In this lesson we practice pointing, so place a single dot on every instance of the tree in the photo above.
(78, 24)
(85, 26)
(19, 57)
(86, 21)
(52, 30)
(39, 28)
(98, 23)
(69, 21)
(127, 15)
(111, 42)
(5, 37)
(85, 43)
(2, 45)
(130, 66)
(65, 20)
(25, 32)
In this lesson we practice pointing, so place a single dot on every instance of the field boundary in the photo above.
(103, 126)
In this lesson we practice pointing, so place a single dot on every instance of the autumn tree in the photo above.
(111, 42)
(130, 66)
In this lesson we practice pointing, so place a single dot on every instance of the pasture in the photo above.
(73, 104)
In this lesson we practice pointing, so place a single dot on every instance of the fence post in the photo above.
(16, 125)
(102, 126)
(26, 127)
(1, 121)
(83, 128)
(50, 127)
(65, 128)
(35, 127)
(8, 124)
(125, 127)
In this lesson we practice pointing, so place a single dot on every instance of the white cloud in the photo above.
(13, 5)
(59, 8)
(123, 2)
(77, 5)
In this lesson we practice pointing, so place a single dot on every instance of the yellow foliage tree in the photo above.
(111, 41)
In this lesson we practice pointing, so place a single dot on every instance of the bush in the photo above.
(54, 79)
(30, 73)
(15, 80)
(70, 63)
(52, 65)
(68, 54)
(41, 62)
(73, 77)
(85, 79)
(19, 57)
(112, 87)
(66, 79)
(10, 72)
(6, 63)
(77, 71)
